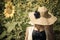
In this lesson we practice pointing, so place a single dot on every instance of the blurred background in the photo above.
(14, 17)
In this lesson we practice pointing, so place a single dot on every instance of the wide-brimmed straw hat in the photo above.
(42, 17)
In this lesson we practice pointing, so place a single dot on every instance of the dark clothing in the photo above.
(37, 35)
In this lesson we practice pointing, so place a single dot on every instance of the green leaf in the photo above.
(10, 26)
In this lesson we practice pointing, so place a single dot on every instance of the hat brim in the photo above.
(42, 20)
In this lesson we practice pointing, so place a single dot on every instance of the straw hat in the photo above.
(42, 17)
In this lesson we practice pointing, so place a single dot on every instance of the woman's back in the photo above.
(37, 35)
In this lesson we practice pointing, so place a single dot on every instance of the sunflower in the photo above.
(9, 10)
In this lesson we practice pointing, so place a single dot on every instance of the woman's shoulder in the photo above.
(30, 27)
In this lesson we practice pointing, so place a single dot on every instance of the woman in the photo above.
(42, 29)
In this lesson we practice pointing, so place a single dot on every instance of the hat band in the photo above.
(37, 14)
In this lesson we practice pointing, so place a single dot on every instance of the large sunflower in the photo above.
(9, 10)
